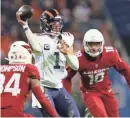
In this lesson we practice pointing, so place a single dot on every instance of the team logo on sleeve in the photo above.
(46, 47)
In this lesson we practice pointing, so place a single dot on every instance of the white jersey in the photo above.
(50, 62)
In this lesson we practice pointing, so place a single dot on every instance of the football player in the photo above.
(52, 49)
(17, 79)
(95, 59)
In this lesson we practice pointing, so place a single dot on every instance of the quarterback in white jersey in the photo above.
(51, 62)
(52, 49)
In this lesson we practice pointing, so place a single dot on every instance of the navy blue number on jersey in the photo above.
(57, 66)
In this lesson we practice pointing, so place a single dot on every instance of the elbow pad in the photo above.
(73, 61)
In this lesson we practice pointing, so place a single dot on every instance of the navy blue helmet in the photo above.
(51, 21)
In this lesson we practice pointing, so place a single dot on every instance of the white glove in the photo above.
(68, 38)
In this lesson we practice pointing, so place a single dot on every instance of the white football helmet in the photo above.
(20, 52)
(23, 44)
(20, 43)
(93, 35)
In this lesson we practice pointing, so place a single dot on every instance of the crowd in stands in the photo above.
(79, 16)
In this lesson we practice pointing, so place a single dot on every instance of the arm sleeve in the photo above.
(33, 72)
(122, 67)
(32, 38)
(72, 61)
(45, 103)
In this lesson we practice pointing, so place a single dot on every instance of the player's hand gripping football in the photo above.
(65, 49)
(20, 21)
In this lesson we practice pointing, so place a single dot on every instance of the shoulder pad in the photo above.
(67, 33)
(39, 34)
(33, 71)
(109, 49)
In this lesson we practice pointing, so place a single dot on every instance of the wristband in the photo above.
(25, 29)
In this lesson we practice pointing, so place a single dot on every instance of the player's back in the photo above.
(14, 85)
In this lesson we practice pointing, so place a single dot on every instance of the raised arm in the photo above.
(122, 67)
(32, 38)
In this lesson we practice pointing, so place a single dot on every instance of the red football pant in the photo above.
(101, 105)
(67, 85)
(13, 113)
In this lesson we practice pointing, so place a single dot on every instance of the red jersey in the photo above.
(94, 73)
(14, 84)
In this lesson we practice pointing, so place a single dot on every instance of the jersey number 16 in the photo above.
(96, 78)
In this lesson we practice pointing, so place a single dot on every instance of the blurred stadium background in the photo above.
(112, 17)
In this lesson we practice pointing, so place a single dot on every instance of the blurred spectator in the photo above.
(78, 18)
(81, 12)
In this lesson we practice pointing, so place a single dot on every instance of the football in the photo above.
(27, 12)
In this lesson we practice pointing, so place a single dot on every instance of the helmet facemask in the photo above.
(51, 22)
(93, 42)
(94, 48)
(56, 25)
